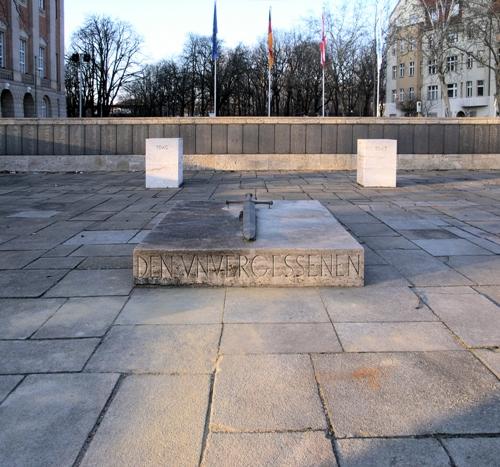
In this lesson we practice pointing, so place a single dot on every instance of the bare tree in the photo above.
(114, 49)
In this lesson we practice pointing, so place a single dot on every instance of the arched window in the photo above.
(46, 109)
(29, 106)
(7, 104)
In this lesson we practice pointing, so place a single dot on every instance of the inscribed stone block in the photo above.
(92, 139)
(377, 162)
(164, 163)
(329, 139)
(124, 140)
(250, 139)
(45, 140)
(266, 139)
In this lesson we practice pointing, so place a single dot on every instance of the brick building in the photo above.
(32, 58)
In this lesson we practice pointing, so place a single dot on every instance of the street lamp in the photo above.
(78, 59)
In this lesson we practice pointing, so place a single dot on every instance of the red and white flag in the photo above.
(322, 45)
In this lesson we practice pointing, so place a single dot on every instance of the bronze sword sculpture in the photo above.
(250, 216)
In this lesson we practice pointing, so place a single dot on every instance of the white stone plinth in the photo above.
(377, 162)
(164, 162)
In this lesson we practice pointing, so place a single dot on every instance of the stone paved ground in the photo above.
(404, 371)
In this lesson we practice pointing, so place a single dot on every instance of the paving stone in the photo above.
(279, 338)
(45, 356)
(93, 283)
(474, 452)
(438, 392)
(20, 318)
(28, 283)
(375, 303)
(482, 270)
(491, 358)
(82, 317)
(153, 420)
(69, 262)
(391, 452)
(35, 214)
(60, 250)
(47, 419)
(492, 292)
(261, 449)
(106, 262)
(388, 243)
(410, 224)
(451, 247)
(372, 230)
(422, 269)
(102, 237)
(104, 250)
(173, 306)
(7, 384)
(472, 317)
(160, 349)
(430, 234)
(264, 393)
(18, 259)
(274, 306)
(384, 276)
(395, 337)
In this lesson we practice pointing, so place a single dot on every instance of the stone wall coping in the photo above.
(252, 121)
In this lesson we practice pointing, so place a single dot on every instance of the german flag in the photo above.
(270, 51)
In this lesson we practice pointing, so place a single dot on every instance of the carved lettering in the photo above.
(188, 271)
(256, 272)
(256, 266)
(356, 266)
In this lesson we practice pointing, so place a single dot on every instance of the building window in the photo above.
(411, 44)
(411, 93)
(480, 88)
(2, 42)
(394, 51)
(41, 4)
(394, 72)
(411, 69)
(41, 62)
(401, 95)
(394, 95)
(451, 63)
(402, 46)
(432, 92)
(470, 61)
(22, 56)
(452, 37)
(468, 88)
(401, 70)
(480, 61)
(452, 90)
(432, 67)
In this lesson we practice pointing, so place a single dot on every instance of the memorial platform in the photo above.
(299, 243)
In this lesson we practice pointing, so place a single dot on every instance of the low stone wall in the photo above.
(246, 143)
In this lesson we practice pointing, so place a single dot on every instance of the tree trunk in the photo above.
(444, 94)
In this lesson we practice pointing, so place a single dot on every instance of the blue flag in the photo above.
(215, 49)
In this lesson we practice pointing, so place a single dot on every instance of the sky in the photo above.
(164, 24)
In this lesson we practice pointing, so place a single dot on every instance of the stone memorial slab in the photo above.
(377, 162)
(298, 243)
(164, 162)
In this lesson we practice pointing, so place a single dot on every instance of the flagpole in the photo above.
(215, 88)
(323, 91)
(269, 93)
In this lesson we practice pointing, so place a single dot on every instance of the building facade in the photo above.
(32, 59)
(413, 86)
